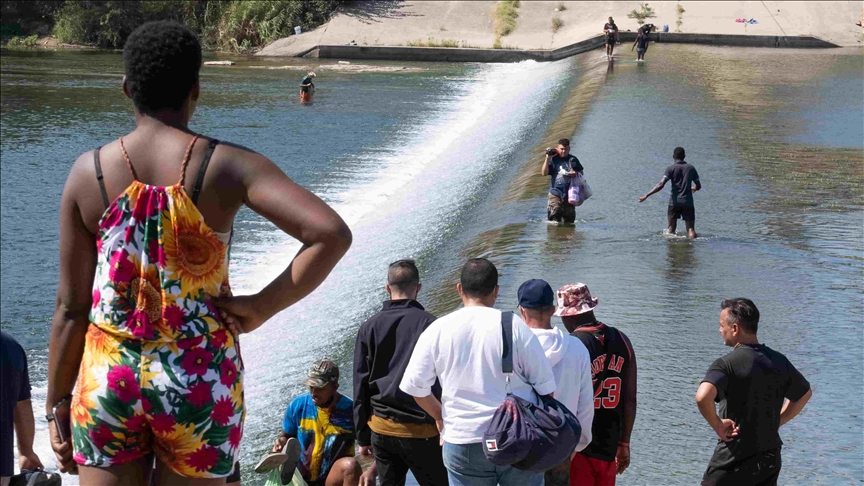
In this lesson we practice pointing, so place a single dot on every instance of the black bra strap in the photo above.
(199, 181)
(100, 178)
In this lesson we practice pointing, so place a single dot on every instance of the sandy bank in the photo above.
(393, 23)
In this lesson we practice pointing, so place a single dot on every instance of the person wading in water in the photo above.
(145, 321)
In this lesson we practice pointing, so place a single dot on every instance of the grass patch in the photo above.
(505, 14)
(680, 19)
(431, 42)
(557, 23)
(644, 12)
(561, 7)
(19, 41)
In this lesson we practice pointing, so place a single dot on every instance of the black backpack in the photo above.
(524, 435)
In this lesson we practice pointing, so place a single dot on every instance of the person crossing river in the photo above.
(561, 167)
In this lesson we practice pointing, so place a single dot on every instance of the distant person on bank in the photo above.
(571, 365)
(390, 424)
(16, 410)
(561, 167)
(759, 390)
(463, 351)
(323, 423)
(307, 88)
(610, 30)
(145, 321)
(613, 370)
(681, 204)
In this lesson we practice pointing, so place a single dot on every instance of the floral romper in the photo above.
(160, 372)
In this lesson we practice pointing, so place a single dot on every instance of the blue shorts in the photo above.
(641, 49)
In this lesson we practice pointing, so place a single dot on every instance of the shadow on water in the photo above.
(680, 255)
(560, 242)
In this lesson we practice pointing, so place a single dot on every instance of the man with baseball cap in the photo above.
(571, 365)
(323, 423)
(613, 370)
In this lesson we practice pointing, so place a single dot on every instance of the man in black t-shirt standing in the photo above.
(758, 390)
(611, 32)
(681, 204)
(561, 167)
(613, 372)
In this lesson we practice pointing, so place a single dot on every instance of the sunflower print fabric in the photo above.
(160, 372)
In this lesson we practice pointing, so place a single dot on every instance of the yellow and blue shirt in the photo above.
(325, 434)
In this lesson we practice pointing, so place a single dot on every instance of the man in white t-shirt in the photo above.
(463, 351)
(571, 365)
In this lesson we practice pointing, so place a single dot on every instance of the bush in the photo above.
(505, 14)
(561, 7)
(431, 42)
(556, 24)
(222, 24)
(17, 41)
(644, 12)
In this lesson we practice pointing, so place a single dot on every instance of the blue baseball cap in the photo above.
(535, 293)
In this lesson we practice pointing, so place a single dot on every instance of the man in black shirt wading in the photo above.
(560, 166)
(681, 205)
(759, 390)
(389, 422)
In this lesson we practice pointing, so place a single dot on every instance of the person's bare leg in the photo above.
(691, 229)
(673, 225)
(346, 472)
(164, 476)
(135, 473)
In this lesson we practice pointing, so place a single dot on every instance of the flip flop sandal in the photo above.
(270, 462)
(292, 453)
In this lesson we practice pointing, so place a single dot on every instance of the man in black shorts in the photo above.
(681, 205)
(611, 32)
(759, 390)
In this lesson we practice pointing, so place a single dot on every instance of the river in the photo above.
(440, 162)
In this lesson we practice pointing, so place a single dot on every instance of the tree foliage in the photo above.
(222, 24)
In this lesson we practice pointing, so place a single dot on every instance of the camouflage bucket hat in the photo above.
(574, 299)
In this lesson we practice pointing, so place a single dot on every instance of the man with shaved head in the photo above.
(390, 424)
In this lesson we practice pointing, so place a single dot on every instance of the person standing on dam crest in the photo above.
(759, 390)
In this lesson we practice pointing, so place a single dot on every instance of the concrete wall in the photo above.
(456, 54)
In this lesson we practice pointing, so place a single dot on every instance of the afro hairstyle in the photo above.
(162, 63)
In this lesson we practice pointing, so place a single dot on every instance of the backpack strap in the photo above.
(100, 177)
(507, 333)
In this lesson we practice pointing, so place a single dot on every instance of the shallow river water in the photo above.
(440, 162)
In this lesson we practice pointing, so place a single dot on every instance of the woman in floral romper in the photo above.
(145, 321)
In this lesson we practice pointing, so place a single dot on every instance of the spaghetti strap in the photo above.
(100, 177)
(128, 162)
(202, 169)
(186, 160)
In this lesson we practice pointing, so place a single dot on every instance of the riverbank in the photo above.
(403, 24)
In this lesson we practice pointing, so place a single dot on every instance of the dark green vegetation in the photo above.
(221, 24)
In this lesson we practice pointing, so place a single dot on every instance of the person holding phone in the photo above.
(145, 322)
(560, 166)
(16, 410)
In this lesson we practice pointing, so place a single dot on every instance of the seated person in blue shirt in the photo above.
(323, 423)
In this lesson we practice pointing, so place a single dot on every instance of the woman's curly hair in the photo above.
(162, 63)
